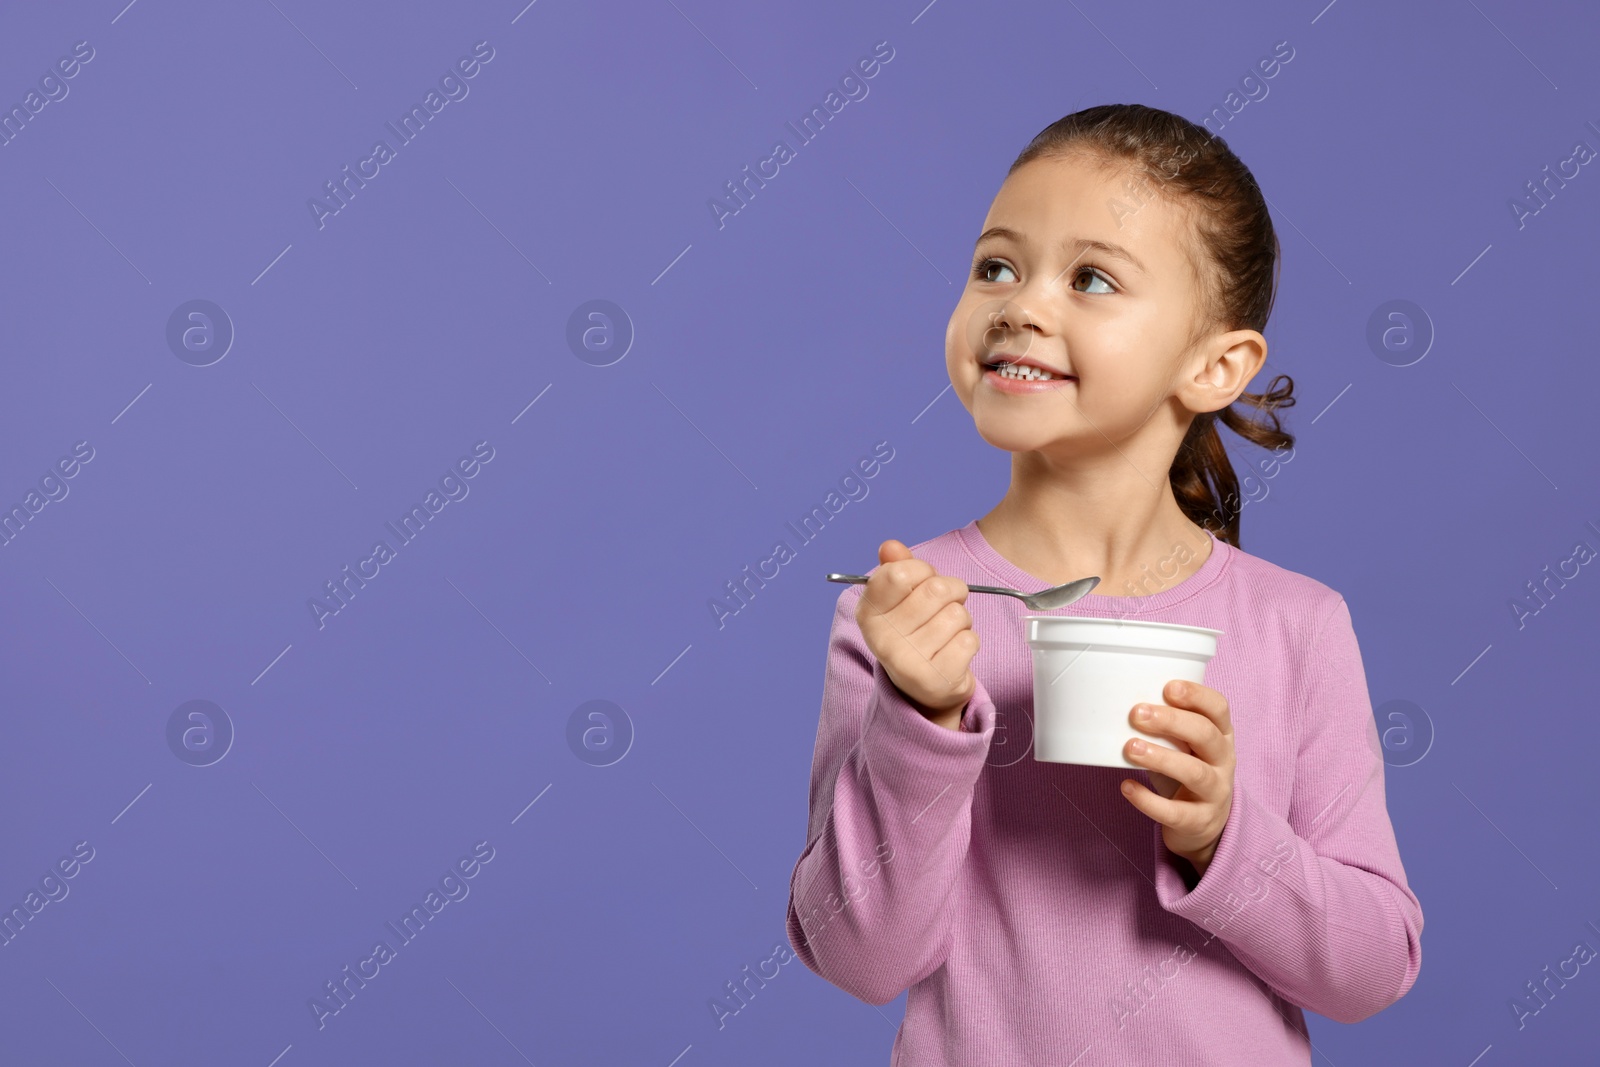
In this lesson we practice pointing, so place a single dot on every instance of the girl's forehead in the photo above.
(1074, 184)
(1051, 200)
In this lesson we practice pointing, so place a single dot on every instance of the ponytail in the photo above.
(1202, 476)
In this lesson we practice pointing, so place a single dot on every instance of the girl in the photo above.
(1185, 912)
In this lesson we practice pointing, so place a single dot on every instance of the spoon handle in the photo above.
(997, 589)
(861, 579)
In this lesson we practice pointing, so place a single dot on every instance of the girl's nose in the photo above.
(1026, 313)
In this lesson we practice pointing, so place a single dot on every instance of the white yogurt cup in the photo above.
(1088, 673)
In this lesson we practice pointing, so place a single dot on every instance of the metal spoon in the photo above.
(1058, 596)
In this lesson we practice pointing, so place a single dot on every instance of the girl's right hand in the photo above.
(915, 622)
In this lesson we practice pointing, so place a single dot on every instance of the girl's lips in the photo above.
(1017, 385)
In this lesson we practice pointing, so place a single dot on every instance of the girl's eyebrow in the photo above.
(1084, 244)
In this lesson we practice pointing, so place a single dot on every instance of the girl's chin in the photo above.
(1014, 438)
(1021, 432)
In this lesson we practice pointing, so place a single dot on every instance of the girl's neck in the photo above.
(1060, 540)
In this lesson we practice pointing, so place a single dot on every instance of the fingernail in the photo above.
(1137, 747)
(1142, 712)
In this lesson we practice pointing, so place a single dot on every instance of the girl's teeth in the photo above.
(1025, 373)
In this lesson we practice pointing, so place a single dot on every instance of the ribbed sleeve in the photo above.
(1317, 903)
(871, 898)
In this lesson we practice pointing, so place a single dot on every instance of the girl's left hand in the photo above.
(1195, 783)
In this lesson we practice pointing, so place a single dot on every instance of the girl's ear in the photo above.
(1225, 365)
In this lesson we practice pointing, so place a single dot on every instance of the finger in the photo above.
(949, 663)
(948, 643)
(947, 588)
(889, 585)
(1189, 728)
(1166, 812)
(932, 636)
(891, 551)
(954, 660)
(1201, 779)
(931, 596)
(1203, 699)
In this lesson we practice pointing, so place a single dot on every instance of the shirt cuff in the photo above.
(978, 717)
(908, 726)
(1253, 847)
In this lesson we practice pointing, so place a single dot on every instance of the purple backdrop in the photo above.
(241, 347)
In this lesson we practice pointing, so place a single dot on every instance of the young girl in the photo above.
(1044, 913)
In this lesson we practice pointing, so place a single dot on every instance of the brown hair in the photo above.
(1234, 251)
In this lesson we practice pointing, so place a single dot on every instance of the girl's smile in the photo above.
(1004, 380)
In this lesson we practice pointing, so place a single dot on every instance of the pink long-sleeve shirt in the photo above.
(1036, 915)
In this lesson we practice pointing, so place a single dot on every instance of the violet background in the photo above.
(769, 356)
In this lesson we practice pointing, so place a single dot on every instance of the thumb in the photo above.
(891, 551)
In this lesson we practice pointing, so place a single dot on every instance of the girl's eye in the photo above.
(981, 271)
(1095, 275)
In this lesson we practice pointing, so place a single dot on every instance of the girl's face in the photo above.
(1117, 321)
